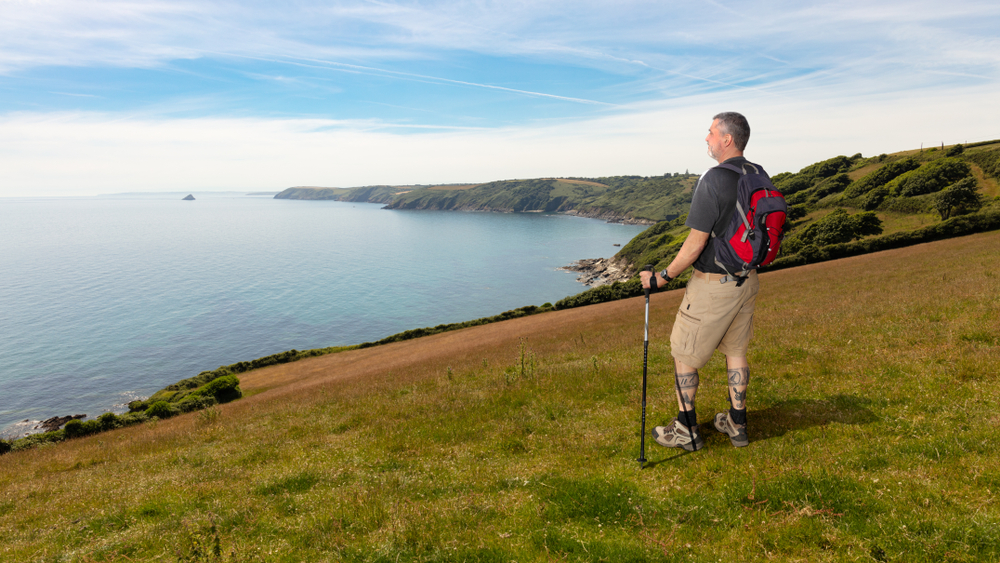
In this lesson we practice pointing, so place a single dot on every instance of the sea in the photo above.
(104, 300)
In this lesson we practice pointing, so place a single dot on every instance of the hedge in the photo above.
(954, 227)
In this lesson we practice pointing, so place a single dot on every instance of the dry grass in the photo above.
(990, 187)
(873, 437)
(581, 182)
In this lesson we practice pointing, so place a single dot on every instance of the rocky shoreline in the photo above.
(595, 272)
(609, 217)
(28, 427)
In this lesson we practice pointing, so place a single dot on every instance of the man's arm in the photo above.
(693, 245)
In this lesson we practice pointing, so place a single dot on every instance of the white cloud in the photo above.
(147, 33)
(815, 80)
(86, 154)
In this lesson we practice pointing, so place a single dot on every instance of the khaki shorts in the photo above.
(713, 316)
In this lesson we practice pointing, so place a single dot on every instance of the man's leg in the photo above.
(739, 378)
(734, 423)
(678, 434)
(686, 386)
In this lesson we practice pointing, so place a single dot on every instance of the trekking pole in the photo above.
(645, 357)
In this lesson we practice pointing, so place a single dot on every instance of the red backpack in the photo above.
(754, 233)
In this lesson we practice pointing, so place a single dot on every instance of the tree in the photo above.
(865, 224)
(961, 197)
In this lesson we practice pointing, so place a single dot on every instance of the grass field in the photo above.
(873, 425)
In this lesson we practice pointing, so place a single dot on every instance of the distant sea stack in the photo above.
(188, 198)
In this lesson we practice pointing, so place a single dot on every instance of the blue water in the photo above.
(104, 300)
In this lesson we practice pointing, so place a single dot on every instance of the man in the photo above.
(715, 312)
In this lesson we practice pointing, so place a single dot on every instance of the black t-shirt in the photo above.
(712, 206)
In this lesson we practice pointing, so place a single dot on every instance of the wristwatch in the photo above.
(664, 275)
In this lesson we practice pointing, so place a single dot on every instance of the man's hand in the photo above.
(645, 276)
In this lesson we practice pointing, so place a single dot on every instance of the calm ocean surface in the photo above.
(104, 300)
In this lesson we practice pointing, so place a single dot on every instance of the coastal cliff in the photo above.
(369, 194)
(639, 200)
(621, 199)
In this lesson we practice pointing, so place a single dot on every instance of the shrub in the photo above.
(893, 185)
(953, 227)
(139, 405)
(73, 429)
(132, 418)
(38, 439)
(830, 167)
(874, 198)
(955, 150)
(934, 176)
(109, 421)
(799, 198)
(778, 178)
(880, 177)
(196, 402)
(611, 292)
(793, 184)
(837, 227)
(817, 175)
(796, 212)
(79, 428)
(832, 185)
(223, 389)
(5, 446)
(160, 409)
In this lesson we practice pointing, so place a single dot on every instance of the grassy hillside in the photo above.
(619, 197)
(846, 206)
(373, 194)
(634, 198)
(872, 424)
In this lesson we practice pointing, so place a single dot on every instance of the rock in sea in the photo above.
(56, 422)
(189, 197)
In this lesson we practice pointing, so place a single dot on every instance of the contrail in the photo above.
(347, 67)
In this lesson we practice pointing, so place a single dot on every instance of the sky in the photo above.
(110, 96)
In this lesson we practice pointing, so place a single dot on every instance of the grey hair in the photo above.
(732, 123)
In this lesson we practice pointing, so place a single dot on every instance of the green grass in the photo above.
(873, 432)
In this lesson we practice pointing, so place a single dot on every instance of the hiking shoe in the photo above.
(737, 432)
(676, 435)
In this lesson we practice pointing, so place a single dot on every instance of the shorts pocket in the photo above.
(684, 336)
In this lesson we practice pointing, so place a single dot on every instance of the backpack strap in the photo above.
(741, 172)
(739, 277)
(746, 222)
